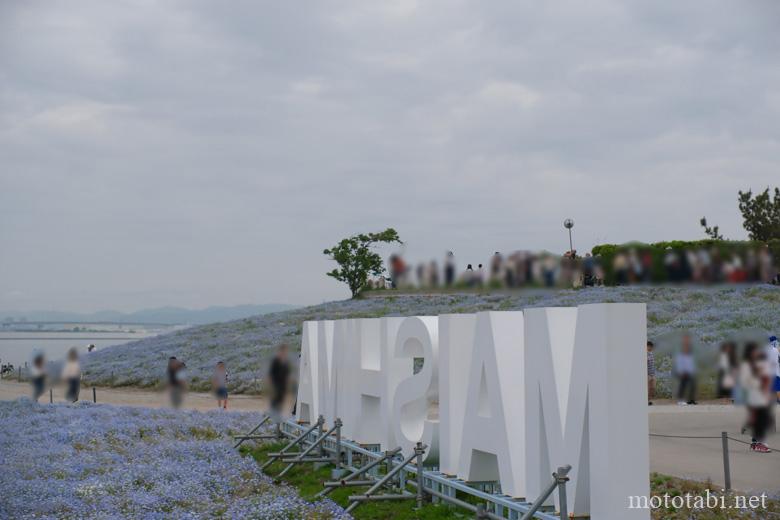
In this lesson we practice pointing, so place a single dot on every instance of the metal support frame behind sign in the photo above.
(436, 484)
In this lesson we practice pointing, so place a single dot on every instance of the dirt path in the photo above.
(136, 397)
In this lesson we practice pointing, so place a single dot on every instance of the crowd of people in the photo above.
(517, 269)
(751, 379)
(279, 377)
(700, 265)
(630, 265)
(70, 375)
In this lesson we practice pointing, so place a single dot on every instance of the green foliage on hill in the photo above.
(761, 214)
(356, 259)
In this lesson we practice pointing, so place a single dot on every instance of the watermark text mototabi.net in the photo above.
(704, 500)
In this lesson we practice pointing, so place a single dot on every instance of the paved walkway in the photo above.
(697, 459)
(702, 459)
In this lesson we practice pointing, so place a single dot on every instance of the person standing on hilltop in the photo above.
(71, 374)
(433, 273)
(449, 269)
(279, 375)
(496, 265)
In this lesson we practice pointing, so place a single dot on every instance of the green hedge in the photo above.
(606, 253)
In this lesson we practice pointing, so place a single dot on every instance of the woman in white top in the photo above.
(71, 374)
(728, 369)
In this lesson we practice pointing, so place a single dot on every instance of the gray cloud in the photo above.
(192, 153)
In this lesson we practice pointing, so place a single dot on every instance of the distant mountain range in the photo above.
(167, 315)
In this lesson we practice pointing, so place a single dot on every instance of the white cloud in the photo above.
(508, 93)
(309, 87)
(86, 117)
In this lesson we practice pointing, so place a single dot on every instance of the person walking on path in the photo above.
(755, 379)
(685, 369)
(728, 369)
(279, 375)
(176, 382)
(650, 373)
(38, 376)
(219, 384)
(71, 374)
(773, 355)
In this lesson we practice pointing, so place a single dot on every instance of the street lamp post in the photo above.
(568, 224)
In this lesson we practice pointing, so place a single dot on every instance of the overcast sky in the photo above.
(197, 153)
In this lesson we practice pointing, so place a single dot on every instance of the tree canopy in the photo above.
(761, 214)
(356, 259)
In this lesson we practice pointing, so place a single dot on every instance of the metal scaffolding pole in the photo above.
(560, 478)
(370, 495)
(250, 435)
(349, 480)
(301, 457)
(273, 456)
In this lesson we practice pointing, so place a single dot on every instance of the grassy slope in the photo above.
(711, 313)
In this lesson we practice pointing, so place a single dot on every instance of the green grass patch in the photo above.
(308, 482)
(661, 485)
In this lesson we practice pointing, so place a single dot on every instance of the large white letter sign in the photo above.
(326, 373)
(418, 337)
(306, 410)
(376, 376)
(586, 405)
(456, 343)
(519, 393)
(493, 434)
(396, 369)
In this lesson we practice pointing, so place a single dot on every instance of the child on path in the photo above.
(219, 385)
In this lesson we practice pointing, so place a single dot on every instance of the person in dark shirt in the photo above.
(38, 375)
(171, 370)
(176, 384)
(449, 269)
(279, 375)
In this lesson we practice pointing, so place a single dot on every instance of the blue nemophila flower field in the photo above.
(101, 461)
(710, 314)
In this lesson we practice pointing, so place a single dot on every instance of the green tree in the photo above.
(356, 259)
(711, 232)
(761, 214)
